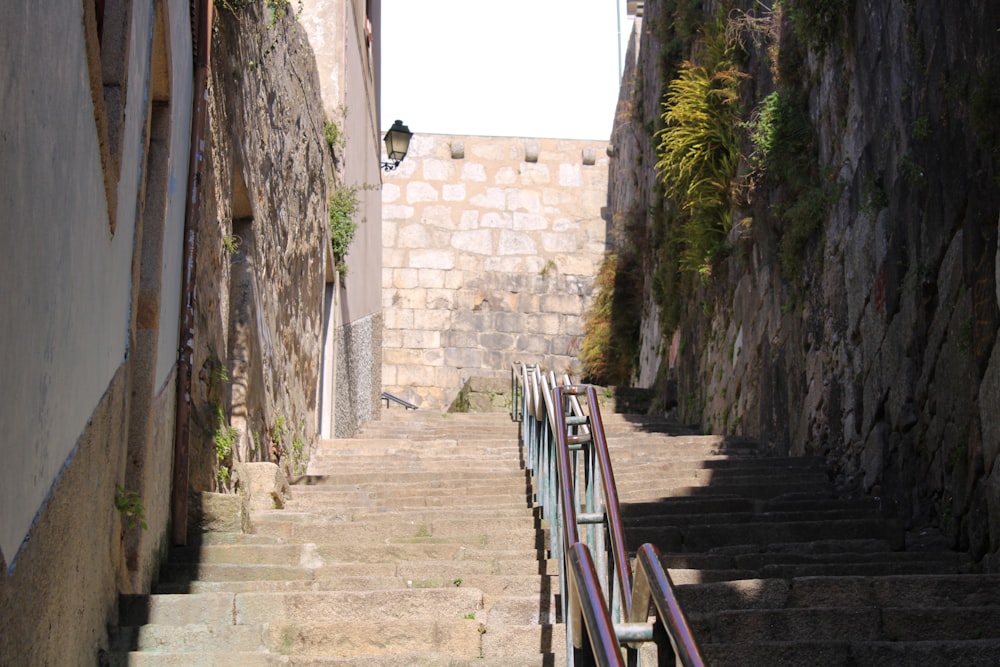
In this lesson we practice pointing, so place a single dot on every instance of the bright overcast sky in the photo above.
(517, 68)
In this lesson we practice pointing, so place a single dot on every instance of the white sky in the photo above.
(520, 68)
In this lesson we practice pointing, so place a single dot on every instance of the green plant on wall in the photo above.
(129, 505)
(698, 149)
(343, 206)
(225, 437)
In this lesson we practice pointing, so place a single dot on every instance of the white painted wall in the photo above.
(65, 279)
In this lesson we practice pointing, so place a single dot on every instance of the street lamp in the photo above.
(397, 141)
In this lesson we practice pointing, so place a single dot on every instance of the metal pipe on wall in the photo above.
(201, 41)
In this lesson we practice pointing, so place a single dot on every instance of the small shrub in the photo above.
(129, 504)
(343, 206)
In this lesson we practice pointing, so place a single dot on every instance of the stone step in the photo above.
(503, 563)
(492, 585)
(654, 521)
(409, 499)
(764, 560)
(647, 492)
(313, 555)
(508, 532)
(370, 606)
(460, 638)
(447, 481)
(856, 623)
(358, 536)
(696, 538)
(721, 480)
(915, 591)
(256, 659)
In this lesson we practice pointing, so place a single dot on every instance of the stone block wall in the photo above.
(490, 248)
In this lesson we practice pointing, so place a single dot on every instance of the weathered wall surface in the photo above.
(881, 352)
(260, 307)
(81, 294)
(347, 58)
(490, 250)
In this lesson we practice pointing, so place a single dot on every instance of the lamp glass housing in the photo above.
(397, 141)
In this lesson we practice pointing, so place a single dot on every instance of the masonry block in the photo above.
(463, 357)
(530, 222)
(473, 171)
(515, 243)
(418, 191)
(438, 170)
(561, 304)
(438, 216)
(479, 241)
(496, 341)
(397, 212)
(432, 259)
(417, 338)
(453, 191)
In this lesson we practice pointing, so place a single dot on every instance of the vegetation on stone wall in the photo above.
(343, 206)
(699, 149)
(610, 344)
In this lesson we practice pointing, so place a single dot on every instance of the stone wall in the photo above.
(490, 250)
(260, 300)
(880, 352)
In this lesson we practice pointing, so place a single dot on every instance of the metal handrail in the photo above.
(596, 631)
(557, 437)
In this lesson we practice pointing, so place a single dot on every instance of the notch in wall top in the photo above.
(531, 151)
(457, 150)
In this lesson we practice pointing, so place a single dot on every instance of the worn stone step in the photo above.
(485, 491)
(760, 561)
(525, 610)
(644, 493)
(857, 623)
(269, 607)
(519, 640)
(361, 535)
(334, 475)
(317, 555)
(503, 563)
(914, 591)
(415, 515)
(459, 638)
(722, 480)
(508, 533)
(654, 521)
(698, 538)
(490, 584)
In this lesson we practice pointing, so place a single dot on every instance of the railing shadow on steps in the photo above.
(606, 606)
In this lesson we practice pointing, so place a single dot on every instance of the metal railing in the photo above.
(607, 610)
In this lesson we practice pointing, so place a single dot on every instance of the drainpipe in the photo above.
(201, 39)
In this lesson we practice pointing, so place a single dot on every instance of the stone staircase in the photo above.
(773, 569)
(413, 544)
